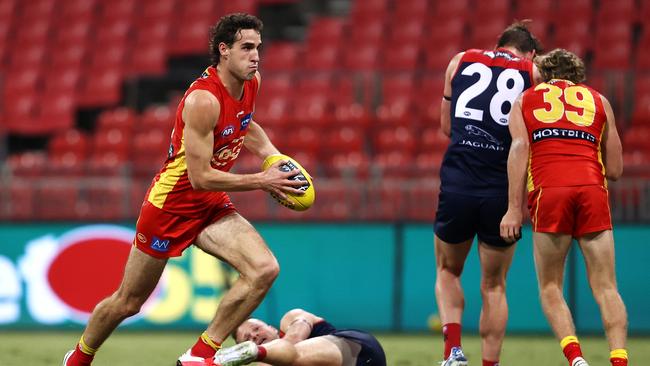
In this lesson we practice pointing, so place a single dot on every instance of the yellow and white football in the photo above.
(300, 203)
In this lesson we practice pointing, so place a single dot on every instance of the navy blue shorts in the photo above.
(461, 217)
(371, 354)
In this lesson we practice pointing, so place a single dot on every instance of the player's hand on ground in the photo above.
(510, 228)
(279, 182)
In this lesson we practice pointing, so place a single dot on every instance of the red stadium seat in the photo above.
(56, 112)
(21, 81)
(388, 200)
(344, 140)
(567, 12)
(421, 201)
(112, 140)
(614, 56)
(450, 10)
(21, 200)
(62, 80)
(70, 141)
(351, 164)
(397, 98)
(148, 60)
(364, 57)
(103, 90)
(403, 57)
(60, 202)
(394, 139)
(326, 30)
(321, 57)
(369, 33)
(485, 34)
(69, 56)
(108, 200)
(190, 38)
(240, 6)
(433, 140)
(446, 33)
(27, 164)
(75, 9)
(156, 117)
(157, 9)
(280, 57)
(72, 33)
(123, 118)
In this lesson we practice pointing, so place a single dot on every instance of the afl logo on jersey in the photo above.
(229, 130)
(246, 120)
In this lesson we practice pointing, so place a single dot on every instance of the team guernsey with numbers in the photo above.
(565, 124)
(173, 212)
(473, 175)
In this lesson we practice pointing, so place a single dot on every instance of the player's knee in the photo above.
(550, 292)
(266, 272)
(127, 306)
(493, 284)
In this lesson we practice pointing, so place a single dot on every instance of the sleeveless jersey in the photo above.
(484, 87)
(171, 189)
(565, 123)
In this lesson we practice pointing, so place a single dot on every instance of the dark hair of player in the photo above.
(226, 31)
(518, 36)
(561, 64)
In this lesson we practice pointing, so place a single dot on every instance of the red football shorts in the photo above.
(570, 210)
(162, 234)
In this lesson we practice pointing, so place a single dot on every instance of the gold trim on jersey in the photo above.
(539, 197)
(600, 156)
(530, 184)
(168, 178)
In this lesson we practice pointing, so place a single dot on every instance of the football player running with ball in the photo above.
(480, 88)
(187, 204)
(565, 145)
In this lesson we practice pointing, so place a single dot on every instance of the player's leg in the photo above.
(550, 252)
(234, 240)
(277, 352)
(598, 251)
(495, 262)
(495, 255)
(450, 260)
(141, 275)
(455, 228)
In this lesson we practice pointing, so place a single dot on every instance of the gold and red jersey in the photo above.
(565, 123)
(171, 189)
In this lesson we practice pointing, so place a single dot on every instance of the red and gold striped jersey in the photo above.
(565, 123)
(171, 189)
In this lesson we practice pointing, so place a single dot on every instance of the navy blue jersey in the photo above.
(484, 88)
(371, 354)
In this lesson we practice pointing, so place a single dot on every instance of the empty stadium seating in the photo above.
(358, 99)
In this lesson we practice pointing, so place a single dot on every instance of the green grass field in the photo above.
(161, 349)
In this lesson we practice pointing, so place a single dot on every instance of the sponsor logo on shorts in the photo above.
(141, 238)
(159, 245)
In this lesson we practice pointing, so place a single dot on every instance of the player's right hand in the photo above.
(510, 228)
(277, 181)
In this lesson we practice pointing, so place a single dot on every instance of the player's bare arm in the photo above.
(611, 145)
(511, 222)
(258, 142)
(200, 114)
(445, 103)
(297, 324)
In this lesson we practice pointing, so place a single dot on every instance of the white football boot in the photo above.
(239, 354)
(67, 357)
(579, 361)
(187, 359)
(456, 358)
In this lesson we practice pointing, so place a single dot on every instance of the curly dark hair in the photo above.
(561, 64)
(226, 31)
(518, 35)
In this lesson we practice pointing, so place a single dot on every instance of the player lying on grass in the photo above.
(303, 339)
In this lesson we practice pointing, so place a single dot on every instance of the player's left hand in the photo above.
(510, 228)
